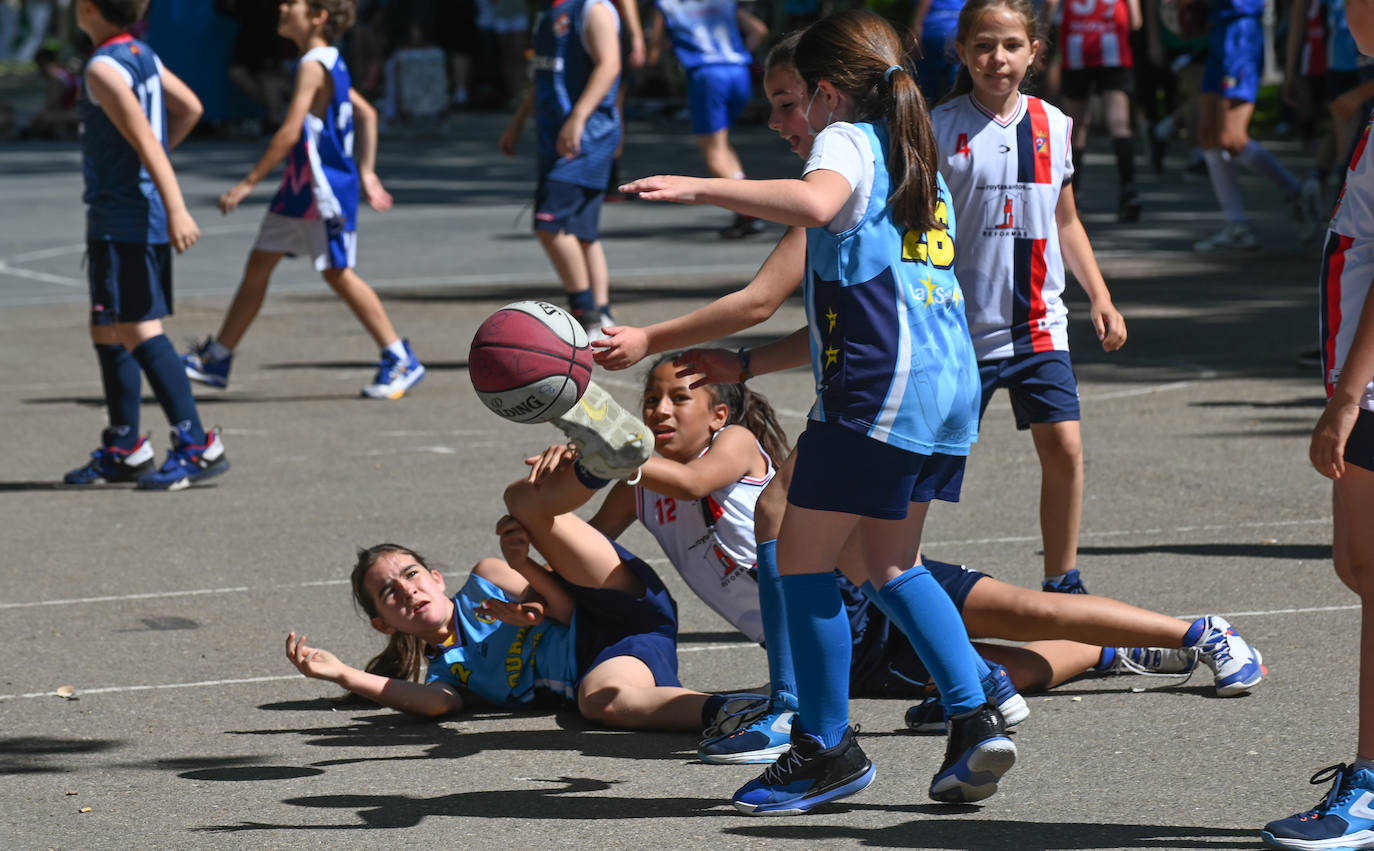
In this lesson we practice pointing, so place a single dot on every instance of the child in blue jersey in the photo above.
(596, 629)
(932, 25)
(314, 213)
(576, 74)
(1230, 84)
(896, 409)
(133, 111)
(714, 41)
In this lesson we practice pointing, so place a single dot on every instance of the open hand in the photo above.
(665, 187)
(620, 346)
(546, 462)
(313, 662)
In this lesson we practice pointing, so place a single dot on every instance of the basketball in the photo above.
(530, 361)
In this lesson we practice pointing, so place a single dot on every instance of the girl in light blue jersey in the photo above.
(597, 631)
(896, 409)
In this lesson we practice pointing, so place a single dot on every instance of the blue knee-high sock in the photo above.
(123, 385)
(819, 630)
(776, 642)
(872, 593)
(927, 615)
(167, 377)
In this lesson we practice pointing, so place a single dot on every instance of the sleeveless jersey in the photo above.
(562, 67)
(1096, 34)
(1005, 179)
(502, 664)
(1348, 266)
(890, 350)
(122, 204)
(704, 32)
(321, 179)
(710, 541)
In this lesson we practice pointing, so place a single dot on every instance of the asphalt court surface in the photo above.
(166, 612)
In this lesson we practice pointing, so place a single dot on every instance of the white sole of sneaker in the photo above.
(1234, 689)
(975, 777)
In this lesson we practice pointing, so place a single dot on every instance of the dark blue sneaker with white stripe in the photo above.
(187, 462)
(1344, 819)
(807, 775)
(1065, 583)
(204, 367)
(929, 715)
(762, 739)
(977, 756)
(109, 463)
(395, 375)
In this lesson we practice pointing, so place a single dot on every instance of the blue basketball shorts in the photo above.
(1235, 57)
(566, 207)
(1042, 387)
(128, 281)
(715, 96)
(1359, 447)
(609, 623)
(840, 469)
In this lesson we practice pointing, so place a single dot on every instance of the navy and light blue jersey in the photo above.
(1226, 9)
(504, 665)
(890, 348)
(122, 204)
(562, 67)
(321, 179)
(704, 32)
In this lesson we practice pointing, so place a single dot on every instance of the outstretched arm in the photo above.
(1078, 255)
(722, 366)
(310, 79)
(430, 700)
(810, 202)
(624, 346)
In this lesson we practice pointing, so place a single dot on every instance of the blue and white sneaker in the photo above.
(806, 776)
(394, 375)
(928, 716)
(762, 740)
(187, 462)
(1343, 820)
(109, 463)
(204, 367)
(1237, 666)
(977, 756)
(1067, 583)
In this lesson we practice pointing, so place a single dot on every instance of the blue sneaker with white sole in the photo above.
(807, 775)
(202, 366)
(395, 375)
(977, 756)
(1235, 663)
(187, 462)
(763, 740)
(109, 463)
(929, 715)
(1343, 820)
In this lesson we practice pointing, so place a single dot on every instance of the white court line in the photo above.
(46, 278)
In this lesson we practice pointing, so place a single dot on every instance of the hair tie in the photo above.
(887, 75)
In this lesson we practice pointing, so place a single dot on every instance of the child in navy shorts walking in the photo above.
(133, 111)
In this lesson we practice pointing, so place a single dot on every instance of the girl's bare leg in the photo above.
(620, 692)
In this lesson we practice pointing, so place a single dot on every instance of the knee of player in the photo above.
(605, 705)
(1233, 143)
(519, 495)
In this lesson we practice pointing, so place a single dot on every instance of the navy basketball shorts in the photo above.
(956, 579)
(840, 469)
(1042, 387)
(1359, 447)
(609, 623)
(1235, 55)
(1080, 83)
(715, 96)
(129, 281)
(560, 207)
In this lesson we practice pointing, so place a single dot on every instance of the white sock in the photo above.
(1222, 171)
(1258, 159)
(216, 350)
(398, 349)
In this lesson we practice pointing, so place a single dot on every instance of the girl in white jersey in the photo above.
(1006, 158)
(1342, 449)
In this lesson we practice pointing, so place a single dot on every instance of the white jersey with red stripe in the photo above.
(1005, 177)
(710, 542)
(1096, 34)
(1348, 267)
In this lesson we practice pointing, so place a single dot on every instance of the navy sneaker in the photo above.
(762, 740)
(977, 756)
(1344, 818)
(203, 367)
(739, 710)
(928, 716)
(187, 462)
(395, 375)
(109, 463)
(1067, 583)
(806, 776)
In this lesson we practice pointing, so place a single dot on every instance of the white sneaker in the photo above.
(1238, 666)
(1236, 236)
(1310, 209)
(611, 442)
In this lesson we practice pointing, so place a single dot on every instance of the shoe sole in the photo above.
(205, 377)
(1364, 839)
(1233, 689)
(598, 425)
(975, 776)
(762, 756)
(808, 803)
(418, 375)
(1014, 710)
(215, 469)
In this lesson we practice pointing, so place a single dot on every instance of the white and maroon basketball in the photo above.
(530, 361)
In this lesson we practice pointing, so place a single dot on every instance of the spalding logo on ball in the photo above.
(530, 361)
